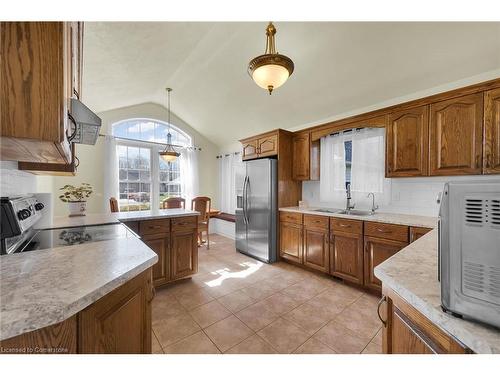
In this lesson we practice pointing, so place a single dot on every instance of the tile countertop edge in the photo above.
(380, 217)
(485, 339)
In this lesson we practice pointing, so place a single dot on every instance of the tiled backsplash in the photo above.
(408, 195)
(15, 182)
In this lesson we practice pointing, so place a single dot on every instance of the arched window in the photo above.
(143, 129)
(145, 180)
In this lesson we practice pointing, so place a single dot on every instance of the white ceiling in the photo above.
(339, 67)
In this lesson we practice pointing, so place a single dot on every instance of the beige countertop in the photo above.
(391, 218)
(96, 219)
(412, 273)
(44, 287)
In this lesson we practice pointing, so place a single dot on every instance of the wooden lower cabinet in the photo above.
(346, 256)
(407, 331)
(417, 232)
(316, 250)
(119, 322)
(184, 253)
(291, 245)
(160, 244)
(378, 250)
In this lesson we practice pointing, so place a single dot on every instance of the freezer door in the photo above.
(260, 208)
(241, 222)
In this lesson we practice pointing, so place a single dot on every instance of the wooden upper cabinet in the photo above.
(408, 143)
(456, 131)
(249, 149)
(36, 85)
(268, 146)
(491, 155)
(301, 157)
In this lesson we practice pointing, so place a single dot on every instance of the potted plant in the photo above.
(76, 197)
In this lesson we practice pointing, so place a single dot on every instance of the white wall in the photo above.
(15, 182)
(416, 196)
(91, 169)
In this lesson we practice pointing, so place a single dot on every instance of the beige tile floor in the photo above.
(236, 304)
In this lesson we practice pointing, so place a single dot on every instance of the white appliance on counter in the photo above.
(469, 250)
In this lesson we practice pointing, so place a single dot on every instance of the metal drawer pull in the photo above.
(155, 227)
(382, 300)
(344, 225)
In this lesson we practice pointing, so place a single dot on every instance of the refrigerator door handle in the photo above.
(245, 197)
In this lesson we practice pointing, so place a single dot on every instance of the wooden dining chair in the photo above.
(203, 206)
(113, 205)
(174, 202)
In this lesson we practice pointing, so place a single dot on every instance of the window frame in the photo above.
(155, 148)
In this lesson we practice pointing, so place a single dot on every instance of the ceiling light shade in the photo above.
(272, 69)
(169, 154)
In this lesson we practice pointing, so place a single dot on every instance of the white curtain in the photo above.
(231, 171)
(110, 171)
(189, 174)
(332, 169)
(368, 166)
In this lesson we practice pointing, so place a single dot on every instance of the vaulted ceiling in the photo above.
(339, 67)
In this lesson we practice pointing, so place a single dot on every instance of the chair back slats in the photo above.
(202, 205)
(174, 202)
(113, 205)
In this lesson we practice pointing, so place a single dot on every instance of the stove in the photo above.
(19, 236)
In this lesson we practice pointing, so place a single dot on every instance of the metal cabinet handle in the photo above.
(382, 300)
(478, 161)
(381, 230)
(344, 225)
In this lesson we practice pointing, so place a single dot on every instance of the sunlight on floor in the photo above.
(225, 273)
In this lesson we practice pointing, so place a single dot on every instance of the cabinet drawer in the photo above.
(346, 225)
(154, 226)
(316, 221)
(389, 231)
(291, 217)
(184, 223)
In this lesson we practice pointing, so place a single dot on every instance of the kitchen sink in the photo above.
(355, 212)
(329, 210)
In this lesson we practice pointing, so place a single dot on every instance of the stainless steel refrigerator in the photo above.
(256, 210)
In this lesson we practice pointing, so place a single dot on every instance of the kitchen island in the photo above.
(59, 297)
(414, 320)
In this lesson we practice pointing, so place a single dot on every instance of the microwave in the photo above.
(469, 250)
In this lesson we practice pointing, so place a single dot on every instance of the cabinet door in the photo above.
(291, 247)
(378, 250)
(406, 338)
(301, 157)
(268, 146)
(456, 132)
(417, 232)
(408, 143)
(491, 158)
(249, 150)
(316, 251)
(160, 244)
(346, 256)
(119, 322)
(184, 254)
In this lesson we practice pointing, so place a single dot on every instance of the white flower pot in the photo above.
(77, 208)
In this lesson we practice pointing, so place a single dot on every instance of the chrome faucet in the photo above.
(373, 202)
(348, 205)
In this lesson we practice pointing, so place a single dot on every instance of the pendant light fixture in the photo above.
(169, 154)
(270, 70)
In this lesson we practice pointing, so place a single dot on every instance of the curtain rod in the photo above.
(196, 148)
(226, 155)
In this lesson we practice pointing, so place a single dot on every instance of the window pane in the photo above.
(135, 178)
(151, 131)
